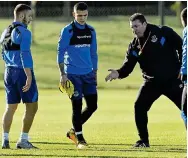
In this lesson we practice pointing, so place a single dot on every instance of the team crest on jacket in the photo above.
(154, 39)
(76, 94)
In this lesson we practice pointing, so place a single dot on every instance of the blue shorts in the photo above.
(83, 84)
(14, 80)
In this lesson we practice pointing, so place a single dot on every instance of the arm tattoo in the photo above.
(61, 68)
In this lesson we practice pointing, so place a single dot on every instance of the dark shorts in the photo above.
(14, 80)
(83, 84)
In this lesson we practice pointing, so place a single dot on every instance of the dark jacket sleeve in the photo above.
(174, 39)
(129, 62)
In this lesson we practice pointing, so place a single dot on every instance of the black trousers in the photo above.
(148, 93)
(79, 116)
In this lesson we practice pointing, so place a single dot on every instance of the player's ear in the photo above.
(144, 23)
(73, 14)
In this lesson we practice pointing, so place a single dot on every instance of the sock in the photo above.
(24, 136)
(5, 136)
(77, 133)
(79, 136)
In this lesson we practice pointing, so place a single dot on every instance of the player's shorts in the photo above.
(14, 80)
(83, 84)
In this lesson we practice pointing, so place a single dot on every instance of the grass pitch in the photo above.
(110, 132)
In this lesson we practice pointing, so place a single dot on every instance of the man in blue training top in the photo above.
(184, 66)
(77, 59)
(19, 79)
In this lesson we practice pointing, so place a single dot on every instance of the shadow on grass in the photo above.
(97, 147)
(106, 147)
(72, 143)
(148, 150)
(110, 144)
(29, 155)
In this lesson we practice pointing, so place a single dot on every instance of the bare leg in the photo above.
(8, 117)
(31, 109)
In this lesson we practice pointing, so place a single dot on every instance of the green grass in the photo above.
(113, 35)
(110, 132)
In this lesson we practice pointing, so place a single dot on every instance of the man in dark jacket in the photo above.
(158, 50)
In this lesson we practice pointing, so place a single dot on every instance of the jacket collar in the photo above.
(22, 24)
(78, 25)
(147, 31)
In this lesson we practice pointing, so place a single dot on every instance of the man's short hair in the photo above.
(21, 7)
(80, 6)
(184, 16)
(138, 16)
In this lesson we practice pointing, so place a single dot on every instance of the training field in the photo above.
(113, 35)
(111, 131)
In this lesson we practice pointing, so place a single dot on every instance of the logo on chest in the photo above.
(84, 37)
(154, 38)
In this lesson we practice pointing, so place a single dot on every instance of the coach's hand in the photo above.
(27, 84)
(112, 76)
(63, 80)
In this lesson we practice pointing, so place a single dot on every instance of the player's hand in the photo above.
(63, 80)
(112, 76)
(27, 84)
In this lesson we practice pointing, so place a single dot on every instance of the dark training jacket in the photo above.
(80, 36)
(159, 54)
